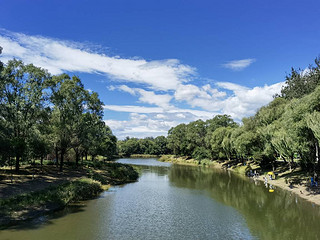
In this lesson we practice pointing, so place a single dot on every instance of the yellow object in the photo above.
(270, 173)
(271, 190)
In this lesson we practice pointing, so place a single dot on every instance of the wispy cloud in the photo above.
(245, 101)
(133, 109)
(238, 65)
(164, 85)
(58, 56)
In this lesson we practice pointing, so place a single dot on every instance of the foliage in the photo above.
(301, 82)
(148, 146)
(42, 114)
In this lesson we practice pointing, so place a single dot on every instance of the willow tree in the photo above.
(313, 122)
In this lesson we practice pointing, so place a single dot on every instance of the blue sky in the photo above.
(156, 64)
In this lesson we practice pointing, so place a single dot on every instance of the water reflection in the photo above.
(278, 215)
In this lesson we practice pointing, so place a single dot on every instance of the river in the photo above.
(180, 202)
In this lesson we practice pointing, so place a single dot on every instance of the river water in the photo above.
(180, 202)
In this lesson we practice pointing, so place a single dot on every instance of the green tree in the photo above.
(177, 141)
(300, 83)
(68, 98)
(22, 103)
(160, 145)
(313, 123)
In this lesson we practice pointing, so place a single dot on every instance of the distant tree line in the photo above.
(41, 114)
(287, 128)
(149, 145)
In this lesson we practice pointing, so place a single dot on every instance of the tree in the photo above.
(129, 146)
(215, 123)
(195, 135)
(217, 138)
(177, 141)
(300, 83)
(22, 102)
(68, 98)
(312, 120)
(160, 145)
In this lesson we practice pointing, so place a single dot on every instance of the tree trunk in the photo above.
(86, 154)
(61, 160)
(283, 159)
(17, 163)
(77, 157)
(273, 167)
(41, 162)
(290, 163)
(57, 157)
(11, 177)
(317, 152)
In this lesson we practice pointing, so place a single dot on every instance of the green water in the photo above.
(180, 202)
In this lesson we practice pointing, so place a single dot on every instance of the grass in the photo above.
(111, 172)
(98, 177)
(185, 160)
(61, 195)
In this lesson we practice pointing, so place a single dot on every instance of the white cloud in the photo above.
(245, 101)
(149, 97)
(242, 102)
(132, 109)
(127, 89)
(160, 116)
(146, 125)
(231, 86)
(59, 56)
(161, 100)
(157, 110)
(204, 97)
(238, 65)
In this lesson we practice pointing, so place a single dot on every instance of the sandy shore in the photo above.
(301, 189)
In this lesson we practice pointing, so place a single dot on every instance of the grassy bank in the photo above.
(187, 161)
(112, 173)
(54, 190)
(30, 205)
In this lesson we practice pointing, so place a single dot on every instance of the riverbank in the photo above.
(296, 182)
(34, 191)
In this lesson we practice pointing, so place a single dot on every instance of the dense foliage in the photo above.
(42, 114)
(149, 145)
